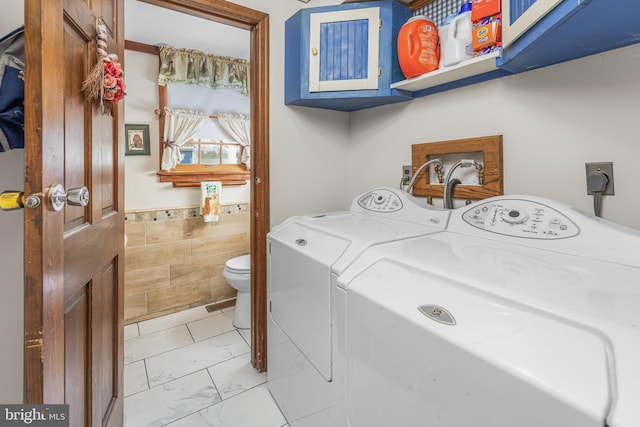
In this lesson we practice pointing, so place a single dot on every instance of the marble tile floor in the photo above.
(192, 369)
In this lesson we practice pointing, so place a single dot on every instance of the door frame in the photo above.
(258, 24)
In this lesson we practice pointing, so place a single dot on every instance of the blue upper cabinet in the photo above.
(344, 57)
(537, 33)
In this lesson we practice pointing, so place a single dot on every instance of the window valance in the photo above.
(198, 68)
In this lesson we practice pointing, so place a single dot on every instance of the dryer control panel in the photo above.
(547, 224)
(521, 218)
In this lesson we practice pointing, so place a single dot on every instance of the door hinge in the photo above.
(379, 73)
(269, 306)
(380, 24)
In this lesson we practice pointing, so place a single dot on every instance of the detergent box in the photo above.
(483, 8)
(487, 32)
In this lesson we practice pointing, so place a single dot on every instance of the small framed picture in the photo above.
(136, 140)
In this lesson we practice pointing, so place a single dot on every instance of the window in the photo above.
(207, 161)
(204, 160)
(211, 153)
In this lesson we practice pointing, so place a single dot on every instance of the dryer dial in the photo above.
(515, 216)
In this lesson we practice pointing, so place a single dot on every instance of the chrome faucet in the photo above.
(449, 183)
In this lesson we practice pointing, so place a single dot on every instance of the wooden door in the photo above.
(73, 258)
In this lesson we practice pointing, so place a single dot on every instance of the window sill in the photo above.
(192, 176)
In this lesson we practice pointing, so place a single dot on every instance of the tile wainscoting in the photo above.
(174, 260)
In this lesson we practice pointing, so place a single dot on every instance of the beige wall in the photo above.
(174, 260)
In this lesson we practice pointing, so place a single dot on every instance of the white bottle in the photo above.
(443, 36)
(459, 40)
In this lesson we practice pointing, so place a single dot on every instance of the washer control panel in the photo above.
(521, 218)
(390, 203)
(380, 200)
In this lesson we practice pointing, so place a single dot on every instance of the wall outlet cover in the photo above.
(406, 174)
(607, 168)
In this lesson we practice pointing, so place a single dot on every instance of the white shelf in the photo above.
(469, 68)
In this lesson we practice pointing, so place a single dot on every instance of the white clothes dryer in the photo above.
(525, 313)
(305, 256)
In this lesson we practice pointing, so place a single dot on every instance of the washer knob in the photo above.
(379, 200)
(515, 216)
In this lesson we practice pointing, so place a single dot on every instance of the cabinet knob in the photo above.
(314, 51)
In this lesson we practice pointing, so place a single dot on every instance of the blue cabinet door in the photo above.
(344, 50)
(520, 15)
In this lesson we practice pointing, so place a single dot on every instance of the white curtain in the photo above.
(179, 127)
(239, 127)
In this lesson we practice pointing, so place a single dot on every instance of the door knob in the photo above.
(12, 200)
(57, 197)
(78, 196)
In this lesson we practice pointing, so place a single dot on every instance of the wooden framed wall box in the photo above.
(489, 146)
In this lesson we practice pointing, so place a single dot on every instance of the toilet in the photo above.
(237, 273)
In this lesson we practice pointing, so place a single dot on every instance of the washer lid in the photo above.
(557, 287)
(241, 263)
(505, 363)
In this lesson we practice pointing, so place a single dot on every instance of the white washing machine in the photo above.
(305, 256)
(524, 313)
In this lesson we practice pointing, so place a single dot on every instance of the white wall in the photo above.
(553, 120)
(143, 189)
(308, 146)
(12, 261)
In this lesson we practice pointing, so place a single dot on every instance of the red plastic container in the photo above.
(418, 47)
